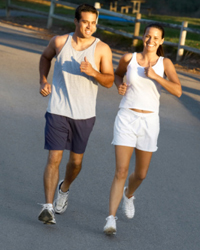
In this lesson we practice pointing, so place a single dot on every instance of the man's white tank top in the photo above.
(73, 92)
(142, 92)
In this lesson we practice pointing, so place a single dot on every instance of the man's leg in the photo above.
(51, 174)
(73, 168)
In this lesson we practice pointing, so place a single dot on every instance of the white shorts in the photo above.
(138, 130)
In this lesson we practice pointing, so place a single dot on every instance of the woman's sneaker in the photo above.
(128, 205)
(61, 202)
(110, 227)
(47, 214)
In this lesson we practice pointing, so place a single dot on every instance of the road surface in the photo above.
(167, 203)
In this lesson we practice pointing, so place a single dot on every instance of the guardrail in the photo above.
(137, 20)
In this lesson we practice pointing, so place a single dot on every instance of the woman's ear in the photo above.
(162, 41)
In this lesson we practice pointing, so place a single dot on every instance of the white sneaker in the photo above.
(61, 202)
(128, 205)
(110, 227)
(47, 214)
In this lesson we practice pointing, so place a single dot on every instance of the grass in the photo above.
(172, 35)
(40, 5)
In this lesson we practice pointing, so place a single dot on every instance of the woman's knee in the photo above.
(141, 175)
(121, 173)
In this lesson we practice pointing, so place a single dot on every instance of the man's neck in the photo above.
(79, 43)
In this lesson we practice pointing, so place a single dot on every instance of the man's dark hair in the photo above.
(84, 8)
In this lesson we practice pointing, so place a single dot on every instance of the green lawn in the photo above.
(172, 35)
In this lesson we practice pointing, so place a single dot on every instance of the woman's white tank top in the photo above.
(142, 92)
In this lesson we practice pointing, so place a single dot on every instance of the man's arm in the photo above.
(106, 75)
(45, 65)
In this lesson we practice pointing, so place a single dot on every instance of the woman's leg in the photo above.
(143, 160)
(123, 155)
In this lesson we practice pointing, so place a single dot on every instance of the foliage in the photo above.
(174, 7)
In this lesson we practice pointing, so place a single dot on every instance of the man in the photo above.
(82, 62)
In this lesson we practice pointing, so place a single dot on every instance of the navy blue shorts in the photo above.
(65, 133)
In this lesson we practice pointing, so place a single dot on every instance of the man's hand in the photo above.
(122, 88)
(45, 89)
(86, 67)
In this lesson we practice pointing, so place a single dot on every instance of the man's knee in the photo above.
(76, 160)
(55, 157)
(75, 163)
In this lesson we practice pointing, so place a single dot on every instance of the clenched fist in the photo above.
(122, 88)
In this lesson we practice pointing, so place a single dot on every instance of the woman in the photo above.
(137, 122)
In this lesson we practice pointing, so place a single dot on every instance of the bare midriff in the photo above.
(141, 111)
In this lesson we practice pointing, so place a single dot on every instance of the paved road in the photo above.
(167, 204)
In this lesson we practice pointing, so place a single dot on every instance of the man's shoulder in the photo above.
(103, 46)
(60, 38)
(57, 42)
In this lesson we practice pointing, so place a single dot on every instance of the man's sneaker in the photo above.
(61, 202)
(110, 227)
(128, 205)
(47, 214)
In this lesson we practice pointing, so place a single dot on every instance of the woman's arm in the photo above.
(172, 85)
(120, 73)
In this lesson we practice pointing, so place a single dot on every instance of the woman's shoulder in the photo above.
(126, 58)
(167, 61)
(168, 64)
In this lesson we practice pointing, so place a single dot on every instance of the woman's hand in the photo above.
(122, 88)
(149, 72)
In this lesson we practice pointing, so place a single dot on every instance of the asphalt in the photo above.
(167, 203)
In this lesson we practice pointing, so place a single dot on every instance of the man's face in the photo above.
(86, 25)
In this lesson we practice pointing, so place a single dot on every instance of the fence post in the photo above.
(8, 8)
(97, 6)
(137, 28)
(51, 11)
(182, 38)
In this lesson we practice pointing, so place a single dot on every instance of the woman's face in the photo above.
(152, 39)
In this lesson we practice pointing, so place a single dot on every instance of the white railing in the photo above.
(137, 20)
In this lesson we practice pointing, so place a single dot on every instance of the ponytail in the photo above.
(160, 51)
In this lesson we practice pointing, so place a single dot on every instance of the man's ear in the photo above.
(75, 21)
